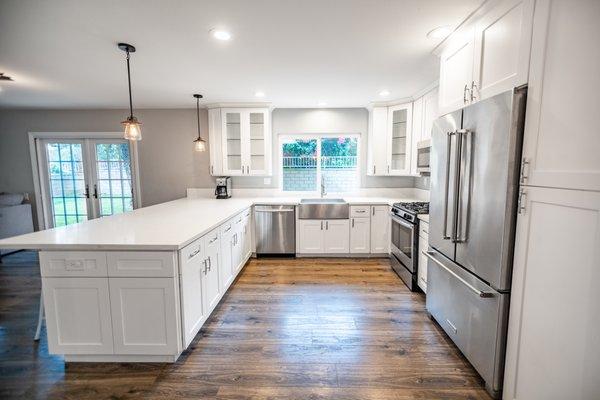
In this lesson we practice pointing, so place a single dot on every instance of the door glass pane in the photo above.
(299, 165)
(257, 141)
(113, 165)
(399, 120)
(67, 184)
(234, 142)
(339, 164)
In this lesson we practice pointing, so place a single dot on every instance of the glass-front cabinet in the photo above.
(399, 139)
(245, 141)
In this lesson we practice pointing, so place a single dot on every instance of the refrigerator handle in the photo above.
(480, 293)
(453, 231)
(447, 186)
(464, 171)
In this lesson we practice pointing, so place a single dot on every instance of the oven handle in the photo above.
(430, 254)
(399, 220)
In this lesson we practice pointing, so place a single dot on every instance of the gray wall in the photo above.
(309, 120)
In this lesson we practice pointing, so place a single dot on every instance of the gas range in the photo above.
(409, 211)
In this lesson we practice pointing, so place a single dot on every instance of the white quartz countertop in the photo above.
(167, 226)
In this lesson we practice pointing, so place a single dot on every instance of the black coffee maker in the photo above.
(223, 190)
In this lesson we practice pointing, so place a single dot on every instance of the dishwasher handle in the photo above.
(273, 211)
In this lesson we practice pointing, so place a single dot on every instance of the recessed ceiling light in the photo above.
(440, 32)
(259, 94)
(384, 93)
(322, 103)
(220, 34)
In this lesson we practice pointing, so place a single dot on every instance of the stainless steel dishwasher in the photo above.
(275, 229)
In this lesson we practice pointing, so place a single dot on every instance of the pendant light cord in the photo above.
(129, 81)
(198, 115)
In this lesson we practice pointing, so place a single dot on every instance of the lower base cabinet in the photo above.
(360, 235)
(330, 236)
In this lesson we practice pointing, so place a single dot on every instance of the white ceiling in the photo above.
(63, 53)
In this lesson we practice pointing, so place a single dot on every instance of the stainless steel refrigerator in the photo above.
(475, 165)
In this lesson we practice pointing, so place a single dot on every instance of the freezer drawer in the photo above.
(472, 313)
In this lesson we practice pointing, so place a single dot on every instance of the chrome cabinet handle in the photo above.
(473, 87)
(430, 254)
(465, 90)
(524, 166)
(193, 254)
(353, 222)
(209, 264)
(212, 169)
(374, 169)
(360, 211)
(87, 191)
(228, 229)
(204, 262)
(388, 169)
(327, 225)
(321, 225)
(214, 239)
(373, 209)
(521, 201)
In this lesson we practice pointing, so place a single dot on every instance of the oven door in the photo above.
(403, 242)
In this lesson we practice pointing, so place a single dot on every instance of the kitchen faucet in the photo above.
(323, 192)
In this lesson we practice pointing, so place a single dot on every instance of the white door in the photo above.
(562, 143)
(337, 236)
(247, 235)
(78, 315)
(553, 349)
(192, 299)
(378, 138)
(258, 144)
(310, 236)
(210, 281)
(502, 44)
(226, 265)
(399, 139)
(360, 235)
(84, 179)
(380, 229)
(144, 315)
(456, 72)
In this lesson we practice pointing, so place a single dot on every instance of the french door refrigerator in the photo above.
(475, 165)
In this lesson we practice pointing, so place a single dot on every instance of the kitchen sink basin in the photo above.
(323, 209)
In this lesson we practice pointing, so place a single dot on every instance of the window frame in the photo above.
(282, 138)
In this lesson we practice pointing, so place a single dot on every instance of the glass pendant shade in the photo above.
(133, 129)
(199, 145)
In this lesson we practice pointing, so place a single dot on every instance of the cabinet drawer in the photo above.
(191, 251)
(360, 211)
(141, 263)
(73, 263)
(424, 229)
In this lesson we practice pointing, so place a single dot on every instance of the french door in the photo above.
(83, 179)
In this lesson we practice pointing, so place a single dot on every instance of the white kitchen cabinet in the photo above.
(226, 266)
(310, 236)
(430, 113)
(78, 317)
(425, 111)
(399, 139)
(210, 280)
(377, 141)
(193, 307)
(422, 258)
(145, 315)
(245, 141)
(337, 236)
(488, 56)
(360, 235)
(247, 235)
(215, 142)
(380, 229)
(553, 348)
(561, 144)
(456, 71)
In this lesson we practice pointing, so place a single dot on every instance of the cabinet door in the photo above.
(554, 323)
(192, 301)
(259, 142)
(430, 113)
(360, 235)
(399, 139)
(226, 266)
(337, 236)
(215, 142)
(310, 236)
(422, 264)
(232, 143)
(377, 145)
(78, 315)
(456, 72)
(247, 234)
(380, 229)
(501, 53)
(210, 281)
(238, 244)
(144, 315)
(561, 143)
(417, 132)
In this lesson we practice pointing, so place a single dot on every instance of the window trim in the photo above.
(308, 136)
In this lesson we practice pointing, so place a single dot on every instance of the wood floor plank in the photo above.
(287, 329)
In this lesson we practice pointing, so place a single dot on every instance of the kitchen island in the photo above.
(137, 287)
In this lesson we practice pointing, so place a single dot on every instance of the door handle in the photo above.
(87, 191)
(204, 262)
(480, 293)
(95, 191)
(447, 188)
(353, 222)
(209, 264)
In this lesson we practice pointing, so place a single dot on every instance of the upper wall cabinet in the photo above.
(488, 56)
(240, 141)
(425, 111)
(390, 140)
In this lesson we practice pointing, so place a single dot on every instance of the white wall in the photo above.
(318, 120)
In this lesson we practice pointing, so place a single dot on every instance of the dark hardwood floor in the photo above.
(289, 329)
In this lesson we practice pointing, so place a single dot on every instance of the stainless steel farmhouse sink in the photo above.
(323, 209)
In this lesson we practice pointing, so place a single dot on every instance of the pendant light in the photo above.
(133, 129)
(199, 144)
